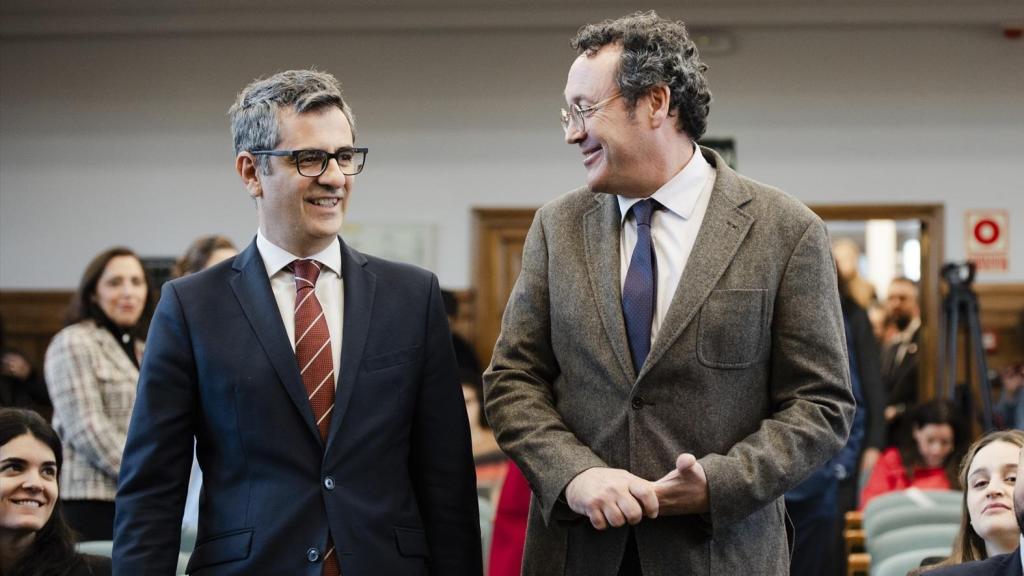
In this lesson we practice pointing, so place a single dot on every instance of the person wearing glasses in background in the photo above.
(319, 383)
(671, 359)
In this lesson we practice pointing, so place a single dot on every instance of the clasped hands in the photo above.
(614, 497)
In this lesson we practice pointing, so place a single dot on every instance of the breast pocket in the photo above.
(390, 359)
(731, 331)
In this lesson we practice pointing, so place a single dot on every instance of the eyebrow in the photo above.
(15, 460)
(1008, 466)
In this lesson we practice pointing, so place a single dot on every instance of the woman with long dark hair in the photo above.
(34, 539)
(92, 368)
(925, 458)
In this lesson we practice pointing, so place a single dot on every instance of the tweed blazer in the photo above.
(92, 386)
(748, 372)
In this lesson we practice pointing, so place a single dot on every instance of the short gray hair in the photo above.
(655, 52)
(254, 120)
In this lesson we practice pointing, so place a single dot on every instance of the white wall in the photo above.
(124, 140)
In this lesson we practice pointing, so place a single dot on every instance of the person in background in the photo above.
(1010, 408)
(464, 353)
(34, 538)
(818, 503)
(20, 385)
(926, 456)
(92, 368)
(203, 252)
(900, 353)
(491, 463)
(847, 255)
(988, 525)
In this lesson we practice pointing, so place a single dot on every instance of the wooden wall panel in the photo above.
(31, 319)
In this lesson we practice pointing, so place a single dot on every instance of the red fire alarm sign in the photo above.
(987, 239)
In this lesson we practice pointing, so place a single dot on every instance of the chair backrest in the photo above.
(97, 547)
(887, 520)
(912, 496)
(900, 540)
(904, 562)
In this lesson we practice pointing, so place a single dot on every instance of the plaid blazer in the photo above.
(92, 385)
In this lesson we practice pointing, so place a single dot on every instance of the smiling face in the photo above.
(617, 148)
(28, 484)
(121, 290)
(934, 443)
(990, 485)
(298, 213)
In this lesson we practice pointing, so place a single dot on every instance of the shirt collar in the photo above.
(276, 258)
(680, 194)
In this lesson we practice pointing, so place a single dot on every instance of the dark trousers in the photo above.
(91, 519)
(816, 524)
(631, 560)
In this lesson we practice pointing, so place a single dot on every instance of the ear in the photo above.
(245, 165)
(659, 101)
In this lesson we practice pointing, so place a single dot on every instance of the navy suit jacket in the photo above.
(1002, 565)
(394, 481)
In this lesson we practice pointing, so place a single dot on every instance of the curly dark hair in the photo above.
(52, 552)
(655, 52)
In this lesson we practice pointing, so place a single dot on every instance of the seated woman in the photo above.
(34, 539)
(988, 525)
(925, 458)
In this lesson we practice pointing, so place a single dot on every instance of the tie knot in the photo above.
(642, 211)
(306, 272)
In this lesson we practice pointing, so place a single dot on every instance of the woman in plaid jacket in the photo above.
(92, 367)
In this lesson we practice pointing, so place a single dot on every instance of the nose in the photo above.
(574, 134)
(332, 176)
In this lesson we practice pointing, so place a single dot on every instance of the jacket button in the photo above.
(313, 555)
(329, 482)
(637, 403)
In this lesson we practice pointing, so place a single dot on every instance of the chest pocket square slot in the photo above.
(731, 329)
(389, 359)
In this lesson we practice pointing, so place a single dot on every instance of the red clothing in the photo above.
(509, 534)
(889, 475)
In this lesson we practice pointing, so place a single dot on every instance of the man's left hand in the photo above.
(684, 490)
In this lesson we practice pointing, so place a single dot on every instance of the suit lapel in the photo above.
(723, 230)
(252, 289)
(601, 228)
(360, 285)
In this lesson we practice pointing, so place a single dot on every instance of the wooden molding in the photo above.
(932, 218)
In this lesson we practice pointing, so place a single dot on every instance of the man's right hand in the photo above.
(611, 497)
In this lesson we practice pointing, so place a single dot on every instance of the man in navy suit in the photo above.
(1011, 564)
(319, 383)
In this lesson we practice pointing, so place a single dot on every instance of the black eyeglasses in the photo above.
(313, 163)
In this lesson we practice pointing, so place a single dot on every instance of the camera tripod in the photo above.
(961, 299)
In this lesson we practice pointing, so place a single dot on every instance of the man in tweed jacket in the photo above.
(673, 461)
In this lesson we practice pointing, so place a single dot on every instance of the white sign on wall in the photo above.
(410, 243)
(988, 242)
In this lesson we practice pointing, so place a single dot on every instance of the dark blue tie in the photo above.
(638, 292)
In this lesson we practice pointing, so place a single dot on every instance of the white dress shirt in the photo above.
(329, 289)
(674, 229)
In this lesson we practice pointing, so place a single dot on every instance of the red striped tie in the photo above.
(316, 363)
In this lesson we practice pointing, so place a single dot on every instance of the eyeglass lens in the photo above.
(313, 163)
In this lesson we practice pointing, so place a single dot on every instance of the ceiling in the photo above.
(31, 18)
